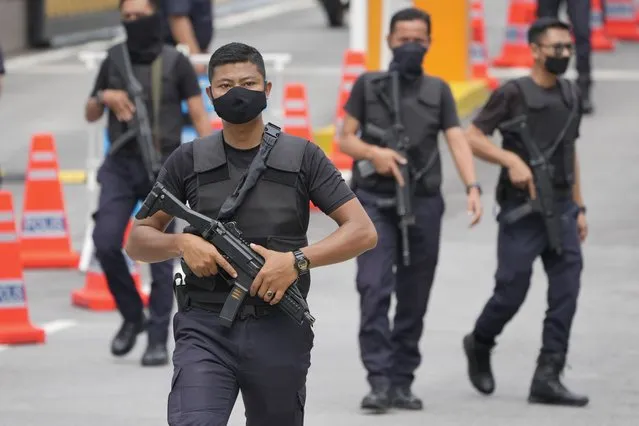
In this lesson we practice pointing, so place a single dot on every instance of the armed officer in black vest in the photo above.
(165, 77)
(403, 262)
(541, 209)
(264, 354)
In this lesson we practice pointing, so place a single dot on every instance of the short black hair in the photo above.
(154, 3)
(540, 26)
(410, 14)
(233, 53)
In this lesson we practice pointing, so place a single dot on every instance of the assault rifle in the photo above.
(139, 127)
(394, 137)
(544, 203)
(228, 240)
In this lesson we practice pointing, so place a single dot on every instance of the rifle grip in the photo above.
(232, 305)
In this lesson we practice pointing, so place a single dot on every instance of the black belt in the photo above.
(254, 311)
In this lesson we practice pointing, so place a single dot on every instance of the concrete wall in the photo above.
(13, 25)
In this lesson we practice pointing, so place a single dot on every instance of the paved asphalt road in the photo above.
(73, 380)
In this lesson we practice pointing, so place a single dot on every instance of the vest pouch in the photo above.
(564, 163)
(285, 244)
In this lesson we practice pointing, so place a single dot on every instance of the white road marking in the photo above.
(264, 12)
(49, 328)
(28, 61)
(597, 74)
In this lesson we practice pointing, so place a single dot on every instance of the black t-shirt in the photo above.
(320, 179)
(506, 103)
(187, 87)
(199, 12)
(356, 104)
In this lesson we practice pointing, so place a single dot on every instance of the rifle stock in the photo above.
(229, 241)
(544, 203)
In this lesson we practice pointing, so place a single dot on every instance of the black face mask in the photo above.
(144, 38)
(240, 105)
(407, 60)
(556, 65)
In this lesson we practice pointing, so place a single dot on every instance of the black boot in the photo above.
(155, 355)
(378, 399)
(479, 370)
(586, 102)
(546, 387)
(403, 398)
(126, 336)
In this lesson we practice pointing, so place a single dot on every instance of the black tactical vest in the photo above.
(171, 120)
(550, 130)
(272, 214)
(421, 119)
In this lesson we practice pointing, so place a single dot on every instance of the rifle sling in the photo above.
(549, 152)
(378, 87)
(252, 175)
(156, 96)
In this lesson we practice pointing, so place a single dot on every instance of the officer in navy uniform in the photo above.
(579, 12)
(551, 106)
(2, 70)
(264, 354)
(122, 176)
(427, 107)
(189, 22)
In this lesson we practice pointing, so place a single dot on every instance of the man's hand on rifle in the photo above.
(202, 257)
(386, 160)
(118, 101)
(474, 206)
(521, 176)
(276, 276)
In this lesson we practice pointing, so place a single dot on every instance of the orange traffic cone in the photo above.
(15, 326)
(216, 123)
(478, 56)
(598, 38)
(95, 294)
(296, 114)
(515, 51)
(354, 65)
(621, 20)
(297, 121)
(45, 240)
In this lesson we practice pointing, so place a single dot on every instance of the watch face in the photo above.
(302, 264)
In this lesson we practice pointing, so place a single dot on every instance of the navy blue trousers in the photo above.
(266, 358)
(123, 183)
(518, 246)
(391, 355)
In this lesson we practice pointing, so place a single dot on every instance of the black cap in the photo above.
(542, 24)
